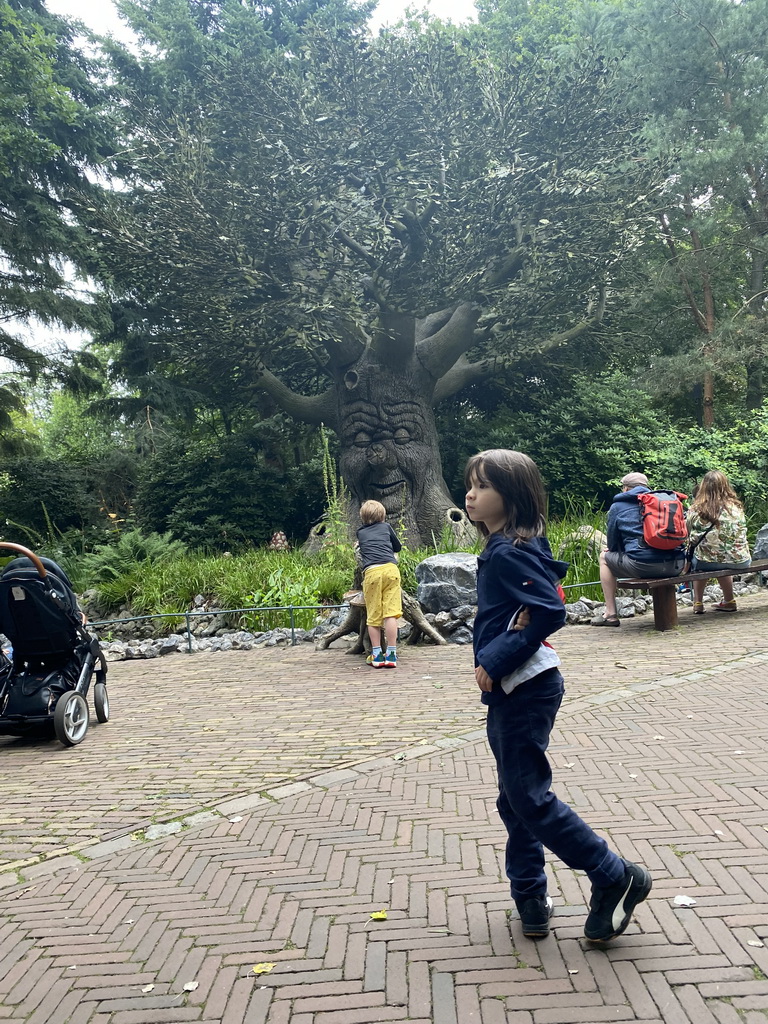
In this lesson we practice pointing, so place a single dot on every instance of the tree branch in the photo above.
(315, 409)
(555, 340)
(508, 270)
(688, 291)
(394, 339)
(348, 344)
(356, 248)
(439, 351)
(461, 375)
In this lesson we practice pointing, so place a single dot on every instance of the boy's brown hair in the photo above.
(372, 512)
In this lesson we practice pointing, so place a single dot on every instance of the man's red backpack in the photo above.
(663, 519)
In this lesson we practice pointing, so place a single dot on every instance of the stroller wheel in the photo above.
(70, 719)
(101, 702)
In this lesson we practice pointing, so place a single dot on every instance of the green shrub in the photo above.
(109, 562)
(221, 495)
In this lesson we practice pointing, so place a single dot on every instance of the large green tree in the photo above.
(360, 228)
(51, 132)
(699, 74)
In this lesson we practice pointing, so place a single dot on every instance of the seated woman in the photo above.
(717, 528)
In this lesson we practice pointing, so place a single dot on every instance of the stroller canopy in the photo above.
(39, 616)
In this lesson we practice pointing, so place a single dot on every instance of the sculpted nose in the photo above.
(377, 454)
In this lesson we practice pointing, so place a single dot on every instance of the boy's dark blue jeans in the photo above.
(519, 725)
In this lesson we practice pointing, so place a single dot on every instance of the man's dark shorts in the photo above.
(625, 568)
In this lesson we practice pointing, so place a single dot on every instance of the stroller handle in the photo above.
(43, 572)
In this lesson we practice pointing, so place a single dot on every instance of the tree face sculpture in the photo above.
(390, 451)
(406, 217)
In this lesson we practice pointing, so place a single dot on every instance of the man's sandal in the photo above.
(698, 607)
(605, 620)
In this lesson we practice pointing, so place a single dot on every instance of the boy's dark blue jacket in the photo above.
(625, 530)
(510, 576)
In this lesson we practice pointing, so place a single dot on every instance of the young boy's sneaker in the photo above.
(390, 659)
(376, 660)
(610, 908)
(535, 913)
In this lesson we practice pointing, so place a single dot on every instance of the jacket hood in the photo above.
(555, 568)
(631, 496)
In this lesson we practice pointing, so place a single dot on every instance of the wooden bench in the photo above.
(663, 590)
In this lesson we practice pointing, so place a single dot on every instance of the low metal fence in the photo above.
(289, 608)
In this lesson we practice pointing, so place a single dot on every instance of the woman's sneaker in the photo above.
(535, 912)
(610, 908)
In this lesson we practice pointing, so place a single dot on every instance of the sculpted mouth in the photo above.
(388, 486)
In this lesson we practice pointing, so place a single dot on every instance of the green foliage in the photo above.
(739, 450)
(254, 579)
(222, 495)
(51, 132)
(570, 541)
(583, 431)
(131, 550)
(43, 495)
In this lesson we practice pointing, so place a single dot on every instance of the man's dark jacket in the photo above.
(625, 530)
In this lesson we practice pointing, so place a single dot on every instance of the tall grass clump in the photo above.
(568, 542)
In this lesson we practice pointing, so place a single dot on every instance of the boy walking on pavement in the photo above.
(381, 582)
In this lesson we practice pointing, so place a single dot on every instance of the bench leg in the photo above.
(664, 607)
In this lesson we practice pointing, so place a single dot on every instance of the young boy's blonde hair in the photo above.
(372, 512)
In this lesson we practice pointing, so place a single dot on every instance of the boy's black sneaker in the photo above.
(610, 908)
(535, 912)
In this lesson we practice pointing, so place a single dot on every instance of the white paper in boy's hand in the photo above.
(544, 659)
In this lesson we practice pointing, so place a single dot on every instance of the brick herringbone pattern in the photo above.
(676, 776)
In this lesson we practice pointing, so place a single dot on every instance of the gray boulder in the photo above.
(761, 544)
(447, 581)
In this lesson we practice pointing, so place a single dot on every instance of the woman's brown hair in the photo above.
(517, 479)
(713, 494)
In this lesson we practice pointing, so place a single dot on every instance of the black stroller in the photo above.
(45, 681)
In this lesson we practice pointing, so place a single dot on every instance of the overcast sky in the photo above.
(100, 15)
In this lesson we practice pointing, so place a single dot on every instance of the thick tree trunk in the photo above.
(755, 389)
(390, 449)
(380, 405)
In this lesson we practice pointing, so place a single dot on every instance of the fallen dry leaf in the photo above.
(148, 988)
(190, 986)
(262, 968)
(379, 915)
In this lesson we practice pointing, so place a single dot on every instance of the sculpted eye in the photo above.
(402, 436)
(362, 440)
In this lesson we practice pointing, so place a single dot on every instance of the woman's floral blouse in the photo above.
(724, 543)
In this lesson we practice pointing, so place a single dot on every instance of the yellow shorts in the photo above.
(381, 589)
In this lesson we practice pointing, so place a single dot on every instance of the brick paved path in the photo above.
(332, 793)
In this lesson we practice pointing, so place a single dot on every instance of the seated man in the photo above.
(628, 555)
